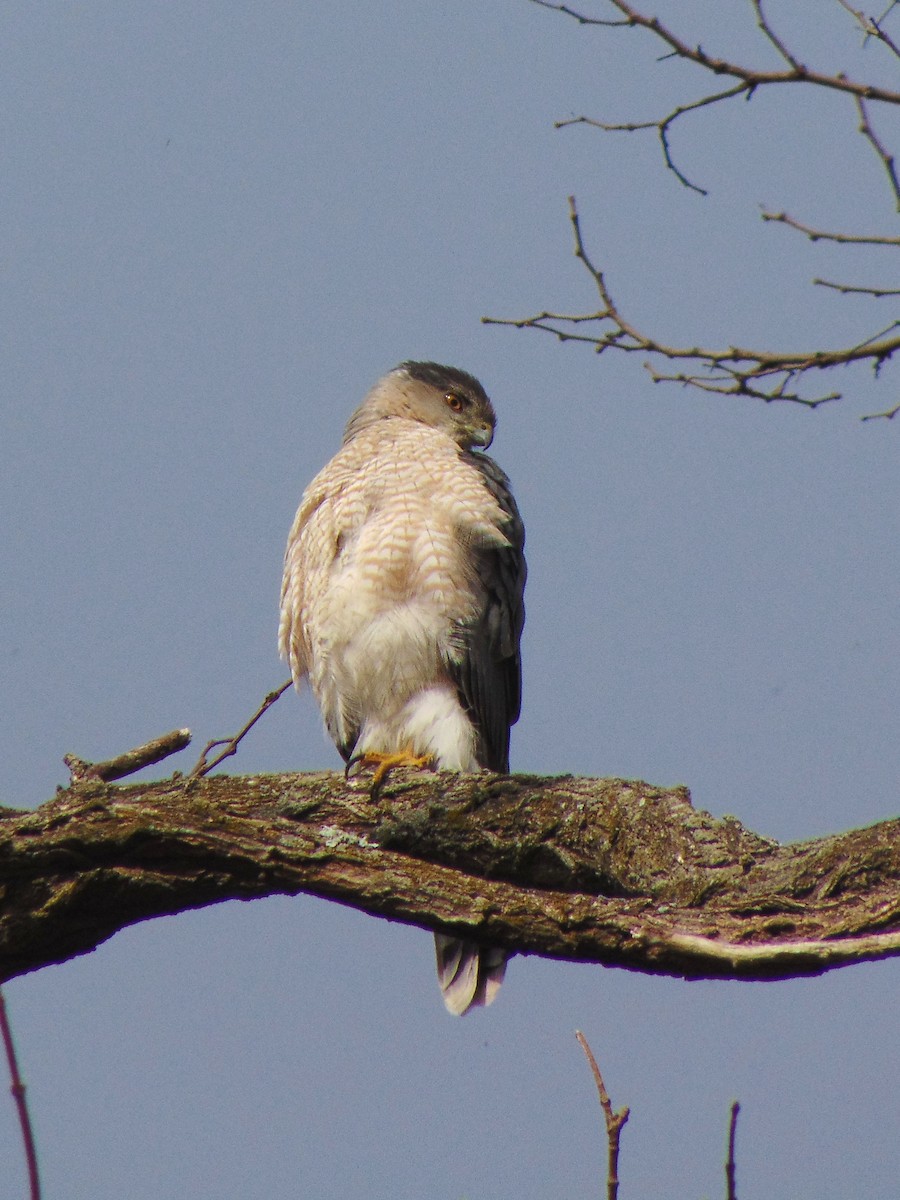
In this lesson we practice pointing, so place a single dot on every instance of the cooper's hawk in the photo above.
(402, 598)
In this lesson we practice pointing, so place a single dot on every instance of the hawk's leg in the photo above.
(385, 763)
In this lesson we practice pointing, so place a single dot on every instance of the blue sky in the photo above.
(220, 224)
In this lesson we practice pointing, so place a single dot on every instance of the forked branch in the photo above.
(748, 78)
(768, 375)
(614, 1121)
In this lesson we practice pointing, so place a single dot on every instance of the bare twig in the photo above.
(888, 415)
(776, 41)
(663, 126)
(872, 26)
(580, 17)
(732, 371)
(847, 289)
(730, 1168)
(17, 1087)
(887, 160)
(816, 235)
(129, 762)
(202, 767)
(614, 1121)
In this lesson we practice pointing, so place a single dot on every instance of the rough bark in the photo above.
(599, 870)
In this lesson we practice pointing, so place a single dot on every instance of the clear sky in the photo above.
(220, 224)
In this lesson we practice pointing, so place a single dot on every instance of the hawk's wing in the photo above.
(485, 664)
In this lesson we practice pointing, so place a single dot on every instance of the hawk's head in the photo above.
(442, 397)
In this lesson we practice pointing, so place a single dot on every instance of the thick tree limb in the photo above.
(605, 870)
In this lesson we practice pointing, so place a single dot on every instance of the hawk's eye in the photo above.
(454, 403)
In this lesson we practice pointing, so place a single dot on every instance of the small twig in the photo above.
(888, 415)
(202, 767)
(131, 760)
(614, 1121)
(816, 235)
(887, 160)
(17, 1087)
(776, 41)
(871, 26)
(848, 289)
(663, 125)
(579, 17)
(730, 1167)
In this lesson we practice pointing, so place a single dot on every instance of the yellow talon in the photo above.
(385, 763)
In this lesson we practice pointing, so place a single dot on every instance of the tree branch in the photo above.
(605, 871)
(849, 289)
(871, 27)
(17, 1088)
(748, 78)
(131, 761)
(795, 72)
(816, 235)
(614, 1121)
(730, 1164)
(203, 767)
(731, 370)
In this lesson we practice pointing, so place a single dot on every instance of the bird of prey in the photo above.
(401, 602)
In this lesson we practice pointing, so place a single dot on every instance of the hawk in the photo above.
(401, 602)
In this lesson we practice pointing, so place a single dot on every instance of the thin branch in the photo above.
(614, 1121)
(876, 340)
(202, 767)
(749, 79)
(17, 1087)
(872, 26)
(730, 1166)
(816, 235)
(663, 126)
(847, 289)
(888, 415)
(581, 18)
(723, 66)
(762, 24)
(131, 761)
(887, 160)
(731, 371)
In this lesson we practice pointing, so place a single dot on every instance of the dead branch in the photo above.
(730, 371)
(606, 871)
(129, 762)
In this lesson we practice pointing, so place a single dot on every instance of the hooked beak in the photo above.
(482, 435)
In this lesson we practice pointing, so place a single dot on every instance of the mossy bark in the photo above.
(601, 870)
